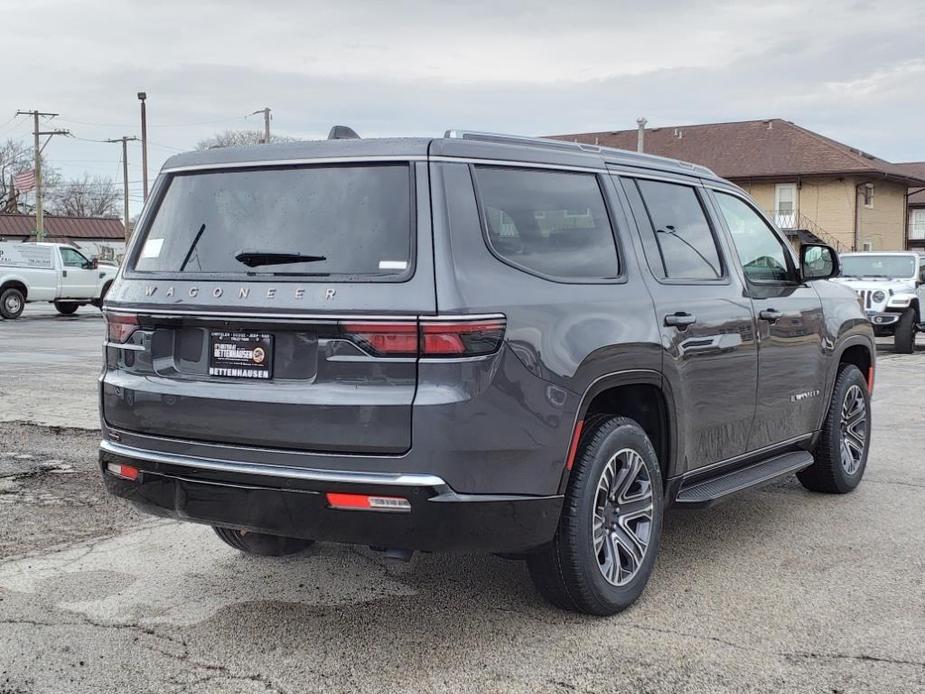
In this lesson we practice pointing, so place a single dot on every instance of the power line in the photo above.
(159, 125)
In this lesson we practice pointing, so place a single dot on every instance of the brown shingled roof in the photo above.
(771, 148)
(23, 225)
(915, 168)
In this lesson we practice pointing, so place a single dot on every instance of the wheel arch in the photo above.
(15, 283)
(642, 395)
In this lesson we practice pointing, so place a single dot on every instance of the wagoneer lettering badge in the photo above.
(218, 292)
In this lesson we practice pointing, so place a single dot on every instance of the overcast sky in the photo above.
(851, 70)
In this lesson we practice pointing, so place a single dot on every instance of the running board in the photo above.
(707, 492)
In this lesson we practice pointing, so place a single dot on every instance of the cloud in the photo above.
(851, 71)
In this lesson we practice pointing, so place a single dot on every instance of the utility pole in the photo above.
(125, 140)
(144, 143)
(39, 193)
(266, 123)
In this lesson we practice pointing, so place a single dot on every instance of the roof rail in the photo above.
(639, 157)
(520, 139)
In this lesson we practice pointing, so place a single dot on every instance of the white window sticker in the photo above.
(393, 264)
(152, 248)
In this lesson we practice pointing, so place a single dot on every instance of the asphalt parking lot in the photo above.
(775, 590)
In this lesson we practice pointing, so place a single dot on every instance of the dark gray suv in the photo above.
(475, 342)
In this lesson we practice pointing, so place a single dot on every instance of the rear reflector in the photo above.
(432, 338)
(573, 447)
(362, 502)
(126, 472)
(870, 380)
(120, 326)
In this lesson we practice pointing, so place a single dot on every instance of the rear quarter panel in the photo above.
(561, 337)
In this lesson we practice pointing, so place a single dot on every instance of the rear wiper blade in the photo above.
(288, 274)
(258, 258)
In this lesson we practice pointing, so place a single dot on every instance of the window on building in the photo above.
(685, 240)
(785, 205)
(553, 223)
(868, 192)
(917, 225)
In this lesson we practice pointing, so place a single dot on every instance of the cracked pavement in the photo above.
(775, 590)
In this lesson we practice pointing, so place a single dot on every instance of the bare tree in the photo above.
(86, 197)
(239, 138)
(15, 157)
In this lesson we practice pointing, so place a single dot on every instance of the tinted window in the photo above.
(72, 258)
(354, 221)
(685, 240)
(759, 248)
(550, 222)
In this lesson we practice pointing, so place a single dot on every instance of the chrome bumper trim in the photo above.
(338, 476)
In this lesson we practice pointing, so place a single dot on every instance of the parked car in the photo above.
(891, 288)
(52, 272)
(475, 342)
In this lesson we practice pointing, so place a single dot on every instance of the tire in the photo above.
(261, 544)
(837, 470)
(12, 303)
(66, 309)
(904, 337)
(98, 303)
(570, 571)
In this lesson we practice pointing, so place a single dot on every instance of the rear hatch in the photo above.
(276, 307)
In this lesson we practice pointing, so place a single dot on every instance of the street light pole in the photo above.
(144, 143)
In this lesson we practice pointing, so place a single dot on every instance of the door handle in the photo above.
(64, 273)
(770, 315)
(680, 320)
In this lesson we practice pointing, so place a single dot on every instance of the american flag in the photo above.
(25, 181)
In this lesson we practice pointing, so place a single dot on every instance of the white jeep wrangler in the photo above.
(891, 289)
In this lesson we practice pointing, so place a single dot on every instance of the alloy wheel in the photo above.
(622, 522)
(853, 429)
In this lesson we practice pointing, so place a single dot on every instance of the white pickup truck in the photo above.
(52, 272)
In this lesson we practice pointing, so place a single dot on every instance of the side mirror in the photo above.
(818, 262)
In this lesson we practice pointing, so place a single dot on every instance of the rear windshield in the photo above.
(324, 221)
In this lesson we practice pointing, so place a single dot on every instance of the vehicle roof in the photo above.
(462, 144)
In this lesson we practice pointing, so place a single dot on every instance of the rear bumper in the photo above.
(292, 502)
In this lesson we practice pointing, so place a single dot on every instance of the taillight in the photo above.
(384, 339)
(461, 338)
(120, 326)
(430, 338)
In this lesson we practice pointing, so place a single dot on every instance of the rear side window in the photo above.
(685, 240)
(344, 222)
(551, 223)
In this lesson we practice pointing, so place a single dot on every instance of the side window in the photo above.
(759, 248)
(685, 240)
(553, 223)
(72, 258)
